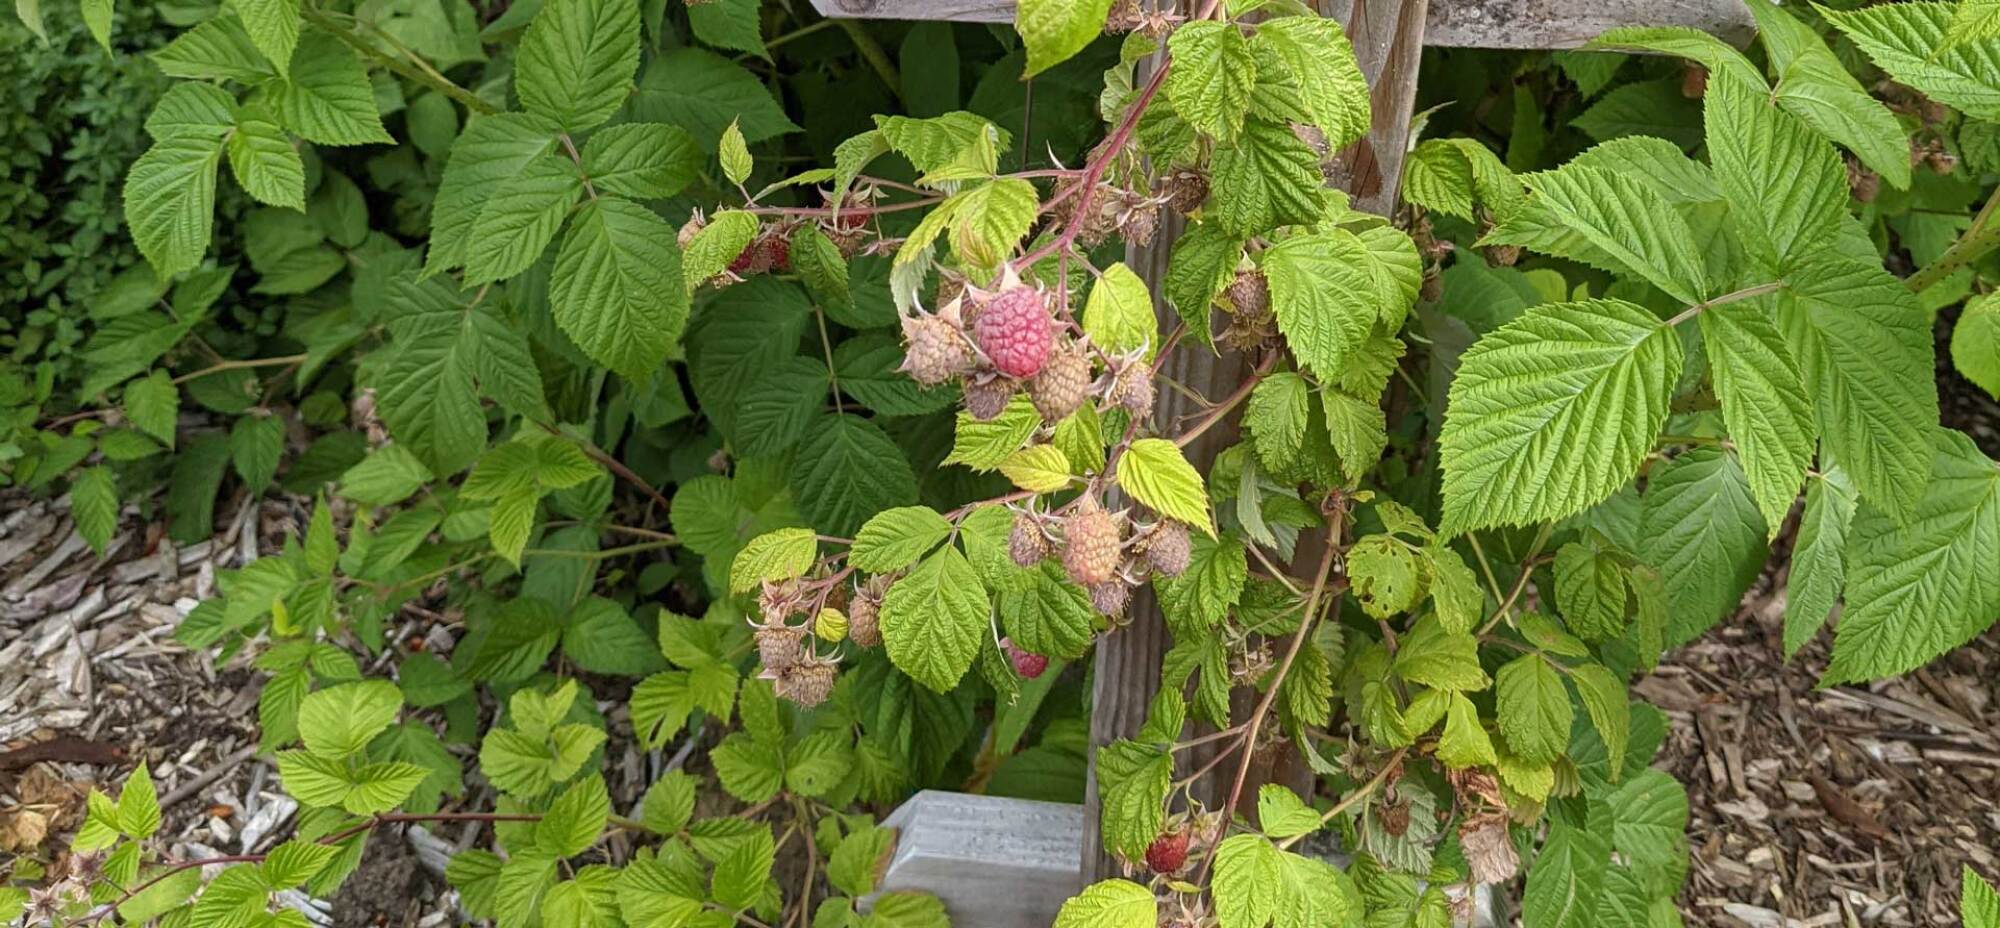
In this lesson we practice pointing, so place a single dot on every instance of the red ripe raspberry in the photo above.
(935, 350)
(1168, 852)
(986, 396)
(1168, 549)
(777, 251)
(1014, 330)
(1025, 544)
(1061, 386)
(1027, 663)
(1090, 545)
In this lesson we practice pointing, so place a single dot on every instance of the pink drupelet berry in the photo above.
(1015, 331)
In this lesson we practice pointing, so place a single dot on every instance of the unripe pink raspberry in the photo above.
(1015, 331)
(1090, 544)
(864, 614)
(780, 646)
(1064, 381)
(934, 350)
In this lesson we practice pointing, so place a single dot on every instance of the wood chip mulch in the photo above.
(1830, 807)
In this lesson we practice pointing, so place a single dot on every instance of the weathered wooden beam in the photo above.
(1460, 23)
(994, 862)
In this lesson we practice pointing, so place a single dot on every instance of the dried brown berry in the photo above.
(986, 395)
(1248, 294)
(1395, 817)
(1503, 255)
(1489, 851)
(806, 684)
(1133, 389)
(1139, 223)
(1090, 544)
(1063, 383)
(1865, 184)
(1168, 549)
(688, 229)
(1185, 190)
(1110, 598)
(934, 350)
(1026, 544)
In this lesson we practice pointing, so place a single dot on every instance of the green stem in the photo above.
(432, 79)
(1979, 240)
(1731, 297)
(220, 366)
(798, 33)
(1360, 792)
(604, 554)
(878, 59)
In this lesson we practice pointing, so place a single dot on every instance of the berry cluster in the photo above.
(999, 343)
(797, 672)
(1102, 551)
(770, 248)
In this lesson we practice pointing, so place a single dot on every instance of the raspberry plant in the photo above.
(922, 472)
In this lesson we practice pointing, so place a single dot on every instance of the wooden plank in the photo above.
(1126, 670)
(1570, 23)
(1461, 23)
(994, 862)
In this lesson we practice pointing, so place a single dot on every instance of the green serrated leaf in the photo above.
(1055, 30)
(1553, 412)
(934, 618)
(1155, 473)
(1912, 591)
(576, 61)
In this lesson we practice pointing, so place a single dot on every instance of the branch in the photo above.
(1256, 720)
(1979, 240)
(1347, 802)
(425, 76)
(1731, 297)
(221, 366)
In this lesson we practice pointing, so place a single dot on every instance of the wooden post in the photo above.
(1126, 672)
(1388, 40)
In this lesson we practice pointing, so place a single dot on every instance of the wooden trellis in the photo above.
(1388, 38)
